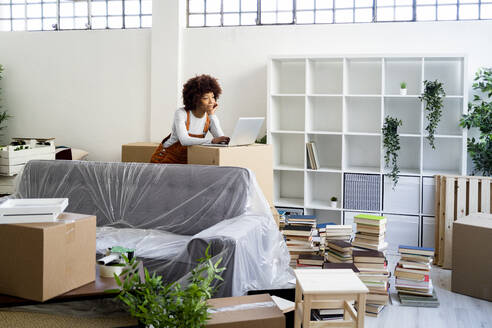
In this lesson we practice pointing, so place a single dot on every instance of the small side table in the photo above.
(329, 289)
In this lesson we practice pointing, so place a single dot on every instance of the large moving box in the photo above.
(472, 260)
(138, 151)
(43, 260)
(256, 157)
(255, 311)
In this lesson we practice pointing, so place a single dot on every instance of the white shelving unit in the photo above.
(340, 103)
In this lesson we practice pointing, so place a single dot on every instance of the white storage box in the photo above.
(19, 155)
(31, 210)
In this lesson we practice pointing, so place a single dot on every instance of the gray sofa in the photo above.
(170, 213)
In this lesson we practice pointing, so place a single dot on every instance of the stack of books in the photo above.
(298, 233)
(412, 273)
(338, 251)
(373, 272)
(370, 232)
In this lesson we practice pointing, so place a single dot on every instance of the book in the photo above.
(379, 247)
(283, 304)
(412, 276)
(414, 265)
(379, 266)
(370, 219)
(369, 256)
(310, 259)
(315, 155)
(340, 266)
(399, 268)
(416, 258)
(427, 251)
(419, 301)
(340, 245)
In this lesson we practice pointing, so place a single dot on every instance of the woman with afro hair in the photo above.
(192, 122)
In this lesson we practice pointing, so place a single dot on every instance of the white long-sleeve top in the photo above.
(179, 132)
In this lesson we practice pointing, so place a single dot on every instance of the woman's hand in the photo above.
(211, 111)
(223, 139)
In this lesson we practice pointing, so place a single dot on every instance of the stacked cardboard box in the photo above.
(370, 233)
(373, 272)
(413, 276)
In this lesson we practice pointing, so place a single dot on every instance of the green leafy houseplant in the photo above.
(153, 303)
(433, 96)
(3, 113)
(391, 142)
(334, 199)
(480, 116)
(403, 85)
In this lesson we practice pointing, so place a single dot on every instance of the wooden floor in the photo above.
(455, 311)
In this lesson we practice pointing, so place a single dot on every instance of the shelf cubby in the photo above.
(288, 188)
(329, 149)
(408, 110)
(451, 114)
(408, 156)
(404, 198)
(446, 70)
(325, 76)
(287, 113)
(363, 114)
(428, 196)
(401, 230)
(323, 216)
(289, 150)
(288, 76)
(362, 153)
(324, 114)
(321, 186)
(399, 70)
(428, 231)
(364, 76)
(445, 159)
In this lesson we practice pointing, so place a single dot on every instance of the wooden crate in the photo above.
(457, 197)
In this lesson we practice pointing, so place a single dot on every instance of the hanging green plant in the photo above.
(4, 116)
(433, 96)
(480, 116)
(391, 143)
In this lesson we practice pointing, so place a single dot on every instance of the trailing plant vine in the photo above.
(391, 142)
(433, 96)
(4, 116)
(480, 116)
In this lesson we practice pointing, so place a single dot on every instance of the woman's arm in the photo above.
(184, 138)
(215, 128)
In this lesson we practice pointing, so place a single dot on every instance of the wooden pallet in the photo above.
(455, 198)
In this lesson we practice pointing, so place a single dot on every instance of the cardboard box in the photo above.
(472, 263)
(43, 260)
(256, 157)
(254, 316)
(138, 151)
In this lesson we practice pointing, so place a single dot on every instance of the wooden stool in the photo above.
(329, 289)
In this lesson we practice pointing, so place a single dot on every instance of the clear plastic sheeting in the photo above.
(170, 214)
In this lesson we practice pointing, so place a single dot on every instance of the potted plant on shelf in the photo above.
(403, 88)
(480, 116)
(391, 143)
(155, 304)
(334, 201)
(433, 96)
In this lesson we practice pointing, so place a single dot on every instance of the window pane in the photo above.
(48, 24)
(196, 6)
(66, 23)
(98, 22)
(231, 19)
(212, 20)
(305, 17)
(248, 19)
(385, 3)
(248, 5)
(4, 25)
(268, 5)
(344, 16)
(468, 11)
(426, 13)
(385, 14)
(363, 15)
(66, 9)
(80, 23)
(343, 4)
(132, 7)
(33, 11)
(285, 17)
(444, 2)
(268, 18)
(196, 20)
(49, 10)
(18, 11)
(285, 5)
(147, 9)
(403, 13)
(324, 4)
(213, 6)
(81, 9)
(98, 8)
(231, 6)
(115, 22)
(447, 12)
(132, 21)
(324, 17)
(486, 11)
(34, 24)
(403, 2)
(18, 25)
(5, 12)
(426, 2)
(115, 7)
(363, 3)
(305, 4)
(146, 21)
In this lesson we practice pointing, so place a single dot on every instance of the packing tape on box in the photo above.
(241, 307)
(108, 271)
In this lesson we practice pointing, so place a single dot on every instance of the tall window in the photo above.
(48, 15)
(266, 12)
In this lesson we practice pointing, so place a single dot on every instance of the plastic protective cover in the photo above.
(170, 214)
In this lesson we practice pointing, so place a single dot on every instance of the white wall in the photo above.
(238, 55)
(88, 89)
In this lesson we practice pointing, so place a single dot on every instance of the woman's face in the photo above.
(207, 101)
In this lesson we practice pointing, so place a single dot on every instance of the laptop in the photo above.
(245, 132)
